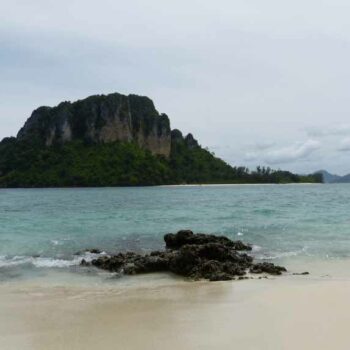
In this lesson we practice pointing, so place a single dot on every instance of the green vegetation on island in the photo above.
(122, 164)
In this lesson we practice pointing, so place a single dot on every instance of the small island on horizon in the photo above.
(116, 140)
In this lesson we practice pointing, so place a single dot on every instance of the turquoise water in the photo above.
(42, 229)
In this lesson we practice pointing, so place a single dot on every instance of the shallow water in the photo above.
(42, 229)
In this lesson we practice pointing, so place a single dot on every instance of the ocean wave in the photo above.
(46, 262)
(279, 255)
(62, 241)
(256, 248)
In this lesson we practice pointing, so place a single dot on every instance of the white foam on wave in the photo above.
(16, 260)
(60, 263)
(256, 248)
(284, 254)
(61, 241)
(239, 233)
(47, 262)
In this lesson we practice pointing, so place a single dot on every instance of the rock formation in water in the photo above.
(101, 119)
(196, 256)
(115, 140)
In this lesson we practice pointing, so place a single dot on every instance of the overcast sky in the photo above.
(258, 82)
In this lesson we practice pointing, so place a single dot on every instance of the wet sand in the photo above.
(281, 313)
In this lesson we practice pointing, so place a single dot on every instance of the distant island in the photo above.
(329, 178)
(116, 140)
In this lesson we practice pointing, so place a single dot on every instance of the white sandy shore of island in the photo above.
(244, 184)
(292, 312)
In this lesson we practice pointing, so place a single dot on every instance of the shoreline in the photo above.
(243, 184)
(278, 313)
(178, 185)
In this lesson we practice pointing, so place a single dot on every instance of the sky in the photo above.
(257, 82)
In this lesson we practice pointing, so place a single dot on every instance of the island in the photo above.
(116, 140)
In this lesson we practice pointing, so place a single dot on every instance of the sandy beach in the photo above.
(279, 313)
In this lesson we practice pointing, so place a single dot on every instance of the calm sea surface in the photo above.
(43, 229)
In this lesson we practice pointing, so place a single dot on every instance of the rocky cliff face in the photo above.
(101, 119)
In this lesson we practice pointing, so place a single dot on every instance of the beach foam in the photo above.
(45, 262)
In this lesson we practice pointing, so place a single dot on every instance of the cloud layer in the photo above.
(236, 74)
(287, 154)
(344, 145)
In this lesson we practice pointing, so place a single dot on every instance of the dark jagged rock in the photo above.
(175, 241)
(267, 268)
(84, 263)
(221, 276)
(114, 263)
(301, 273)
(196, 256)
(93, 251)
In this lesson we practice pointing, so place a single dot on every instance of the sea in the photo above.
(44, 233)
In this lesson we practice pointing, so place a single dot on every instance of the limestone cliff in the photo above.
(101, 119)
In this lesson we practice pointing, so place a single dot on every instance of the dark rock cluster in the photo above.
(183, 237)
(196, 256)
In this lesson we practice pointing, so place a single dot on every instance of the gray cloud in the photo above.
(344, 145)
(287, 154)
(329, 130)
(263, 145)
